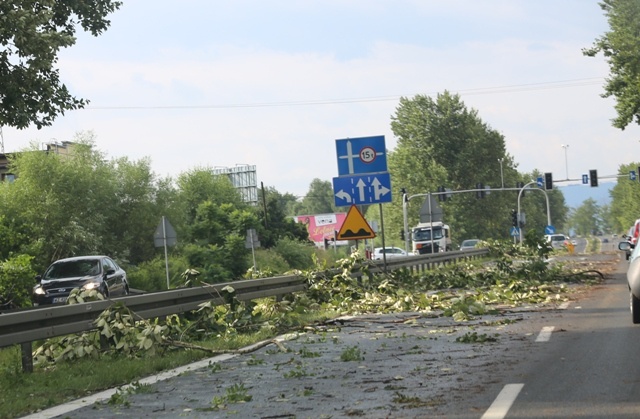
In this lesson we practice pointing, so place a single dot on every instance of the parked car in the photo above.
(390, 252)
(88, 272)
(633, 279)
(469, 244)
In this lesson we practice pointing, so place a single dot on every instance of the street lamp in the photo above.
(566, 165)
(501, 173)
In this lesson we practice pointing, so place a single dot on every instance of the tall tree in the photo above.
(31, 35)
(621, 48)
(319, 199)
(443, 143)
(278, 224)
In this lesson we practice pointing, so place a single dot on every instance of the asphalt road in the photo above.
(571, 359)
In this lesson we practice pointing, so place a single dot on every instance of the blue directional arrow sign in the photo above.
(362, 190)
(549, 230)
(539, 182)
(357, 156)
(585, 179)
(632, 175)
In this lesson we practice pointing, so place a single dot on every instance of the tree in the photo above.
(443, 143)
(625, 202)
(319, 199)
(31, 35)
(278, 224)
(621, 48)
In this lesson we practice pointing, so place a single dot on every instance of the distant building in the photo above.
(62, 148)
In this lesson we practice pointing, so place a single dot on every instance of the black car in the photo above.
(86, 272)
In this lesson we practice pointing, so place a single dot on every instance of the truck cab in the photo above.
(430, 238)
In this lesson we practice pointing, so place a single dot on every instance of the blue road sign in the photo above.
(357, 156)
(540, 182)
(515, 232)
(632, 175)
(362, 189)
(549, 230)
(585, 179)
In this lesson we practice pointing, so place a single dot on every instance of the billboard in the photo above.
(322, 226)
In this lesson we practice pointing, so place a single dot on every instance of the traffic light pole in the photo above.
(545, 196)
(406, 198)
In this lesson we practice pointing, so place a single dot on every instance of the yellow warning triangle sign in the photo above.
(355, 227)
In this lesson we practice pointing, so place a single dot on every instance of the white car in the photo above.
(390, 252)
(557, 241)
(633, 279)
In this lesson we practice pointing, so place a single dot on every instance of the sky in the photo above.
(207, 83)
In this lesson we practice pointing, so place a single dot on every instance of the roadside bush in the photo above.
(268, 260)
(152, 275)
(297, 254)
(17, 277)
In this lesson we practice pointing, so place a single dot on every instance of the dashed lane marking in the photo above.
(545, 334)
(503, 402)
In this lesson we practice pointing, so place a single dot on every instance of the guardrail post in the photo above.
(27, 358)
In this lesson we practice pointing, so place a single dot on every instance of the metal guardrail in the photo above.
(29, 325)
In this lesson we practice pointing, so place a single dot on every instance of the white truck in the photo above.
(430, 238)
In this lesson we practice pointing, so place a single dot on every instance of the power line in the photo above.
(516, 88)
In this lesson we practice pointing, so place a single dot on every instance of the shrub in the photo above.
(152, 275)
(16, 280)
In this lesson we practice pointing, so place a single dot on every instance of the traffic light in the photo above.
(593, 177)
(442, 194)
(548, 181)
(638, 172)
(514, 218)
(402, 234)
(403, 191)
(326, 243)
(520, 185)
(480, 190)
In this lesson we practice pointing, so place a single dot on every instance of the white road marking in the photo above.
(545, 334)
(503, 402)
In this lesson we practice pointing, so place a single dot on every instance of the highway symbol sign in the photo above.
(515, 232)
(540, 182)
(632, 175)
(361, 190)
(355, 227)
(361, 155)
(549, 230)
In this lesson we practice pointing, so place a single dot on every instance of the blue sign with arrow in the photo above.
(362, 190)
(549, 230)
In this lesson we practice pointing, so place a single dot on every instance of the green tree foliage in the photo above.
(443, 143)
(77, 203)
(16, 279)
(625, 202)
(585, 219)
(31, 35)
(319, 199)
(276, 223)
(621, 47)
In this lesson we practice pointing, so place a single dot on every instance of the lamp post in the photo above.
(501, 173)
(566, 164)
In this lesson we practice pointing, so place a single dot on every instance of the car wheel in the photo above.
(634, 304)
(105, 292)
(126, 289)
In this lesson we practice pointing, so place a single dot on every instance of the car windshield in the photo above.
(469, 243)
(72, 269)
(422, 234)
